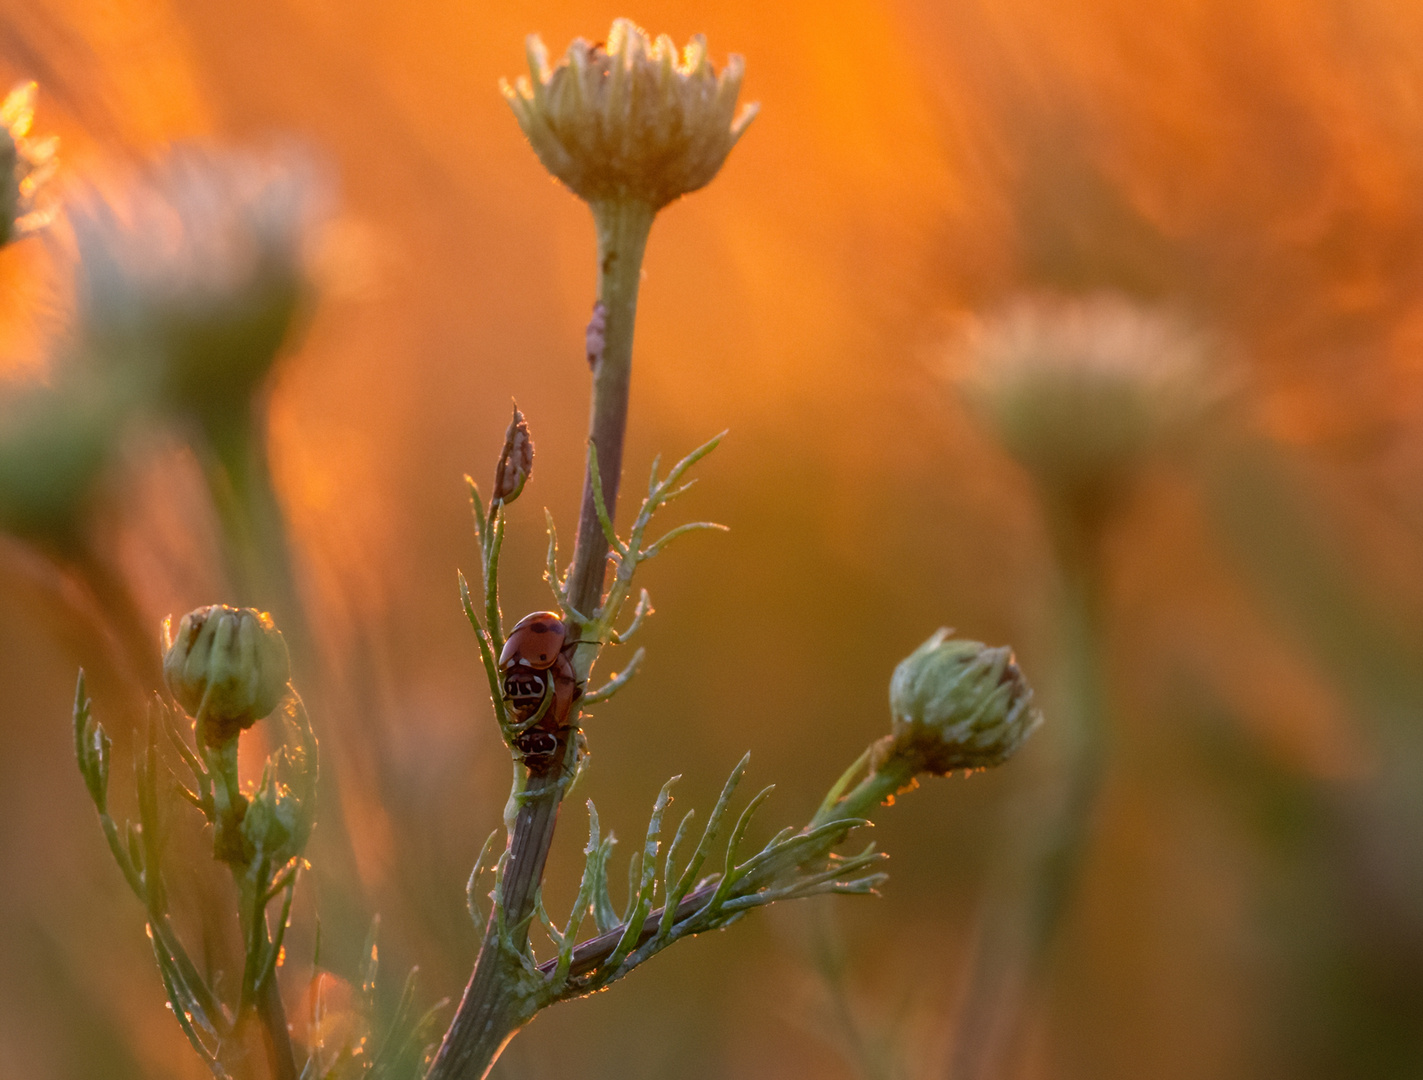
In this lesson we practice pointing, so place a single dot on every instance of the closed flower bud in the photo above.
(957, 705)
(228, 667)
(25, 165)
(516, 461)
(632, 119)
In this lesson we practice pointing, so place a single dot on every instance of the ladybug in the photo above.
(535, 641)
(535, 656)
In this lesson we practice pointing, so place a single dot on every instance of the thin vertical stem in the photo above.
(623, 229)
(1022, 920)
(490, 1011)
(275, 1034)
(254, 533)
(117, 603)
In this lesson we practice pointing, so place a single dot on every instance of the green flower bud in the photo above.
(228, 667)
(957, 705)
(630, 120)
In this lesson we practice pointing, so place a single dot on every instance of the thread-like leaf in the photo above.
(617, 682)
(486, 656)
(596, 481)
(649, 876)
(476, 913)
(476, 505)
(689, 875)
(551, 575)
(656, 548)
(185, 1009)
(370, 966)
(723, 888)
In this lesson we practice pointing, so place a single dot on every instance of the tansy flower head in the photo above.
(630, 119)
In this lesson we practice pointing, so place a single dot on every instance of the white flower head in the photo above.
(26, 165)
(632, 119)
(197, 269)
(1082, 392)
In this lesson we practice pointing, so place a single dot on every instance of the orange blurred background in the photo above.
(1252, 904)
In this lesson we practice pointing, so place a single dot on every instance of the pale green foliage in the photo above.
(396, 1046)
(260, 833)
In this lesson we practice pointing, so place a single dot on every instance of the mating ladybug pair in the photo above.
(535, 662)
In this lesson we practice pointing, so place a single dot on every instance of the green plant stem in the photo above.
(492, 1010)
(623, 228)
(1085, 736)
(1023, 921)
(275, 1033)
(230, 806)
(873, 791)
(271, 1013)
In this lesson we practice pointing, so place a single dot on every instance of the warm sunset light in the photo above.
(1094, 332)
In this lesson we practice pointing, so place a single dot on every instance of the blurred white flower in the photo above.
(26, 164)
(1083, 391)
(632, 119)
(194, 274)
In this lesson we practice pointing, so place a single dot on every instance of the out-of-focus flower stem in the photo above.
(1022, 922)
(253, 529)
(258, 553)
(119, 606)
(1084, 734)
(490, 1012)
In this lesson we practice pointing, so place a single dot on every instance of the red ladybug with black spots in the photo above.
(535, 657)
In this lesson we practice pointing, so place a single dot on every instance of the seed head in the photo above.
(957, 705)
(630, 119)
(516, 461)
(227, 667)
(26, 165)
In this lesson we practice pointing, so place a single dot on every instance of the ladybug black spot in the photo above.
(540, 627)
